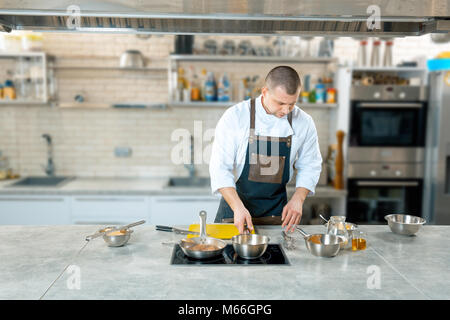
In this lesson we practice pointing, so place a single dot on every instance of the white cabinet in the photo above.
(34, 210)
(109, 209)
(182, 210)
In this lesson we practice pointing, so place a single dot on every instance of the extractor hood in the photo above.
(250, 17)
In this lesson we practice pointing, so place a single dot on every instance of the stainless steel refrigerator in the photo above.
(437, 164)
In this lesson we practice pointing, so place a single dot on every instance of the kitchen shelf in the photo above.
(220, 104)
(122, 105)
(231, 58)
(106, 68)
(24, 54)
(176, 59)
(389, 69)
(23, 102)
(30, 61)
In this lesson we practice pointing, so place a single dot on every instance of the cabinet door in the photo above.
(34, 210)
(108, 209)
(182, 210)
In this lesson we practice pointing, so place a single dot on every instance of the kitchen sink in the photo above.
(189, 182)
(40, 182)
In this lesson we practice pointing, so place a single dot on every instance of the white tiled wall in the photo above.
(84, 139)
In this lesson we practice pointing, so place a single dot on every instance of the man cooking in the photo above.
(257, 145)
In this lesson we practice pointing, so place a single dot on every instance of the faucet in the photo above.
(50, 168)
(191, 167)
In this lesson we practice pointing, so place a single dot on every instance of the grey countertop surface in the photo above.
(128, 186)
(46, 262)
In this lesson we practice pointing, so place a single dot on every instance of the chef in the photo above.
(257, 144)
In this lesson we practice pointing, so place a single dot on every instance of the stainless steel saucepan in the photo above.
(321, 245)
(201, 247)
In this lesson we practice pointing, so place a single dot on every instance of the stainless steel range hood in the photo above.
(250, 17)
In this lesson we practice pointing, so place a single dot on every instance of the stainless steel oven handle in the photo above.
(390, 105)
(387, 183)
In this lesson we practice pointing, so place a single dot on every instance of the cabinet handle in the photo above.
(387, 183)
(99, 223)
(187, 200)
(108, 200)
(34, 199)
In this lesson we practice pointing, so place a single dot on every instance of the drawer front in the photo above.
(108, 209)
(182, 210)
(34, 210)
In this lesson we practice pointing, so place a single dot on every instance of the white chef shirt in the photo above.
(231, 140)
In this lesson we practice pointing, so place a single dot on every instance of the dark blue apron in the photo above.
(262, 183)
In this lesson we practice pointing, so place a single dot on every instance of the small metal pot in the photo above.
(329, 245)
(131, 59)
(250, 246)
(117, 240)
(404, 224)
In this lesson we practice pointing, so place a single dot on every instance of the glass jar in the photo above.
(359, 241)
(336, 226)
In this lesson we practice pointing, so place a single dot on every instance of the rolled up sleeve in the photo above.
(223, 154)
(309, 161)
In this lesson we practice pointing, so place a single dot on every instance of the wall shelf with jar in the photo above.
(23, 78)
(223, 80)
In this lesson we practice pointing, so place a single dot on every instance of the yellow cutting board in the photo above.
(217, 230)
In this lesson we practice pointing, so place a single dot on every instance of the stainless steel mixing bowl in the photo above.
(117, 240)
(321, 245)
(250, 246)
(404, 224)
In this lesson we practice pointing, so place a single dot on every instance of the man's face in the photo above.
(277, 102)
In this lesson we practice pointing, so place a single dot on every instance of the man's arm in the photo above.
(241, 214)
(223, 159)
(308, 165)
(293, 210)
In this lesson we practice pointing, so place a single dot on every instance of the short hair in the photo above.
(283, 76)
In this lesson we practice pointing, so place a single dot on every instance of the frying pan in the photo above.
(321, 245)
(186, 244)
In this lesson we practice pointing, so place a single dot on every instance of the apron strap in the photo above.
(252, 136)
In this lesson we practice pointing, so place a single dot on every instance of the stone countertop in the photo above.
(35, 264)
(129, 186)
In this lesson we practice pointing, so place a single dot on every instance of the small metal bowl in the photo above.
(404, 224)
(250, 246)
(117, 240)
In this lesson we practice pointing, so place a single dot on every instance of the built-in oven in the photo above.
(386, 152)
(388, 116)
(369, 200)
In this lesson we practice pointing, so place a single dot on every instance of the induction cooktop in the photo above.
(274, 255)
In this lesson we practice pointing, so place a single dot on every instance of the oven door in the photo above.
(369, 200)
(387, 124)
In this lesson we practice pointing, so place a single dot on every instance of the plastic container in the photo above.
(210, 88)
(224, 89)
(9, 91)
(320, 93)
(32, 42)
(375, 58)
(331, 95)
(305, 96)
(387, 60)
(362, 54)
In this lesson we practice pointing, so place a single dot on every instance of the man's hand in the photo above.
(292, 211)
(242, 216)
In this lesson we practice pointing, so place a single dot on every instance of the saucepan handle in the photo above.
(202, 215)
(303, 233)
(164, 228)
